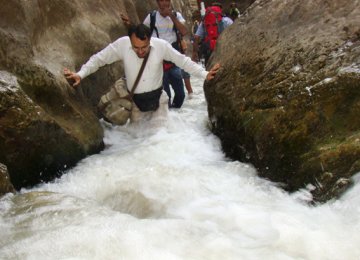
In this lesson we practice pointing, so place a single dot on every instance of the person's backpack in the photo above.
(152, 23)
(213, 25)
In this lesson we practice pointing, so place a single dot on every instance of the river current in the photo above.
(165, 190)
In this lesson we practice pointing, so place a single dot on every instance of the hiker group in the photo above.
(213, 22)
(153, 59)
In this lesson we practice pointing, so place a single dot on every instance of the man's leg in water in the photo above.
(176, 81)
(161, 112)
(186, 77)
(166, 84)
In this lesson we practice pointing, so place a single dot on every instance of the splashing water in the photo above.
(168, 192)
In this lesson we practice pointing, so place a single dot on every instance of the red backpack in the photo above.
(213, 25)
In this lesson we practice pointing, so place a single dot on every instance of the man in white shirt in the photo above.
(167, 24)
(131, 50)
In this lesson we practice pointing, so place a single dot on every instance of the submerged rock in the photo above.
(5, 183)
(288, 97)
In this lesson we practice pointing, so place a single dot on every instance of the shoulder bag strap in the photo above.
(139, 74)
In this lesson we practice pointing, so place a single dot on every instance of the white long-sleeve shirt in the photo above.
(152, 76)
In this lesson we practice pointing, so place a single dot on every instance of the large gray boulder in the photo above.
(40, 138)
(288, 97)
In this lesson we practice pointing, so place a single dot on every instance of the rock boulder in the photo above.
(288, 97)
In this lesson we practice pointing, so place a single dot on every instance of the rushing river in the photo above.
(166, 191)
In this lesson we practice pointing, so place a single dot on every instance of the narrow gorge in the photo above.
(286, 99)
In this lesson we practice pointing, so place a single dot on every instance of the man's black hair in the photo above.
(141, 31)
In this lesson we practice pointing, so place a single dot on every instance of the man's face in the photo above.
(140, 47)
(163, 5)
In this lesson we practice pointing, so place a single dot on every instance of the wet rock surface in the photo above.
(288, 97)
(46, 126)
(5, 183)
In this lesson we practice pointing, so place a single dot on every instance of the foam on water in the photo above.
(166, 191)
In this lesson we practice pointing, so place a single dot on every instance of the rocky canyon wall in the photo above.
(288, 97)
(47, 126)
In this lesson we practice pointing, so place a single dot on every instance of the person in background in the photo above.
(193, 32)
(234, 12)
(200, 37)
(149, 99)
(195, 27)
(167, 24)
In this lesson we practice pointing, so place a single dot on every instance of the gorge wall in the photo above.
(288, 97)
(47, 126)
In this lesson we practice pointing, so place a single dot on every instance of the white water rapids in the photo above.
(168, 192)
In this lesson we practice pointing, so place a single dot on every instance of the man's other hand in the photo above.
(213, 71)
(125, 19)
(73, 78)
